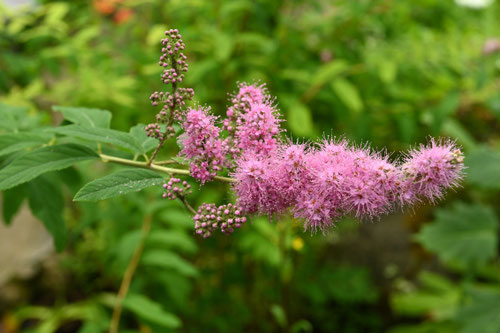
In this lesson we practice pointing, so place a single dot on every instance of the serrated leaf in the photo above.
(169, 260)
(483, 168)
(464, 233)
(150, 311)
(348, 94)
(119, 183)
(13, 142)
(147, 143)
(46, 203)
(30, 165)
(12, 200)
(104, 135)
(85, 117)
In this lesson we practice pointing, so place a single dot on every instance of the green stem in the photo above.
(152, 166)
(129, 274)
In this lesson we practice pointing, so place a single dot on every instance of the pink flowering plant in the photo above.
(318, 182)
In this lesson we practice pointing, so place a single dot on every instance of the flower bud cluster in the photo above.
(174, 63)
(153, 130)
(172, 55)
(170, 100)
(175, 188)
(209, 218)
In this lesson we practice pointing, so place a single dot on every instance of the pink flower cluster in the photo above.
(252, 128)
(317, 182)
(201, 144)
(252, 121)
(324, 182)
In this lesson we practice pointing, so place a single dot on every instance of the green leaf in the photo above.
(279, 315)
(298, 117)
(223, 45)
(46, 203)
(481, 313)
(483, 168)
(448, 105)
(453, 128)
(103, 135)
(150, 311)
(30, 165)
(328, 72)
(300, 120)
(348, 94)
(85, 117)
(172, 239)
(147, 143)
(387, 71)
(465, 233)
(119, 183)
(12, 201)
(425, 327)
(437, 298)
(10, 115)
(13, 142)
(168, 260)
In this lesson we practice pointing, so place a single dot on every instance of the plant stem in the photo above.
(188, 206)
(129, 273)
(160, 144)
(166, 162)
(145, 165)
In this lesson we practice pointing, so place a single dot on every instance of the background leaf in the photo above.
(85, 117)
(483, 168)
(465, 233)
(46, 203)
(12, 200)
(150, 311)
(480, 314)
(30, 165)
(348, 94)
(168, 260)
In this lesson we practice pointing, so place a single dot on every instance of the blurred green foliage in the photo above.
(381, 71)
